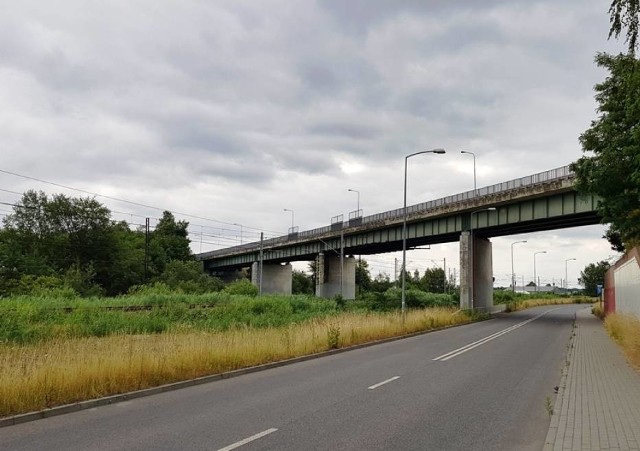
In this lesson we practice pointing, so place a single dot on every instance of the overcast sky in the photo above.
(234, 110)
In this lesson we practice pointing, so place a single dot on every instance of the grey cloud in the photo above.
(353, 131)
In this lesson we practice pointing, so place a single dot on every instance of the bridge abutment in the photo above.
(334, 279)
(482, 273)
(276, 278)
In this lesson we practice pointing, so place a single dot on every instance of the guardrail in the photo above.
(523, 182)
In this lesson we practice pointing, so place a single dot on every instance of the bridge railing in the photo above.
(522, 182)
(531, 180)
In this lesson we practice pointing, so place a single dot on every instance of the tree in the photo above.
(593, 275)
(433, 280)
(51, 236)
(302, 283)
(169, 241)
(363, 276)
(624, 14)
(188, 277)
(381, 283)
(612, 170)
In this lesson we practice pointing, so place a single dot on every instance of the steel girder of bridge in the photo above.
(544, 205)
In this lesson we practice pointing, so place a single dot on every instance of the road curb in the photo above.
(562, 387)
(91, 403)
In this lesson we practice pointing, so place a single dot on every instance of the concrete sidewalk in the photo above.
(598, 402)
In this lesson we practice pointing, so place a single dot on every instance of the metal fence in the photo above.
(424, 207)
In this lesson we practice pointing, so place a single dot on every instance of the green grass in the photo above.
(33, 319)
(65, 370)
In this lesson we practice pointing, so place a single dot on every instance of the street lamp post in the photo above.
(513, 273)
(474, 170)
(358, 204)
(566, 280)
(471, 246)
(404, 222)
(239, 225)
(292, 218)
(535, 279)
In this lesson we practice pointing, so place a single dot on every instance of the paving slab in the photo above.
(598, 401)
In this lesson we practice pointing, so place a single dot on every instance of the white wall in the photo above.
(627, 282)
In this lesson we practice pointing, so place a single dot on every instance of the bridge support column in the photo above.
(329, 282)
(482, 296)
(276, 278)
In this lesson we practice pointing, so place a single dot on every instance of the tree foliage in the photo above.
(593, 275)
(611, 170)
(623, 14)
(433, 280)
(302, 283)
(60, 241)
(363, 276)
(381, 283)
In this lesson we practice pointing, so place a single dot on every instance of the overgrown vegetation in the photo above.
(625, 330)
(597, 310)
(610, 167)
(62, 242)
(522, 303)
(61, 371)
(151, 310)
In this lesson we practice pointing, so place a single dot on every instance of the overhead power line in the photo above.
(15, 174)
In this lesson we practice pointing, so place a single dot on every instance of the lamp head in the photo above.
(440, 151)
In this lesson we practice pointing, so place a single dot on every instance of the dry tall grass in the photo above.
(529, 303)
(625, 329)
(62, 371)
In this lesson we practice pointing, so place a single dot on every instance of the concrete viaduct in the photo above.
(538, 202)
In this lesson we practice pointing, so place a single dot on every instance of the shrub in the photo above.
(242, 287)
(188, 277)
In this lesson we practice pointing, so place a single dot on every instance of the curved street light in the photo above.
(292, 217)
(404, 222)
(566, 280)
(239, 225)
(535, 278)
(358, 204)
(513, 273)
(474, 170)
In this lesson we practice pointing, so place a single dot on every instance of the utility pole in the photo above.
(260, 265)
(444, 287)
(146, 249)
(342, 264)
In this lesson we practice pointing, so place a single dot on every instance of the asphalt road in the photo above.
(424, 392)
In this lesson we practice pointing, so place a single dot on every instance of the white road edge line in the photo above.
(373, 387)
(475, 344)
(248, 440)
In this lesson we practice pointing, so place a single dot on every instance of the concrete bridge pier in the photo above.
(482, 296)
(334, 279)
(276, 278)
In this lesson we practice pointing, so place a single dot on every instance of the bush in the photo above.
(188, 277)
(391, 299)
(505, 296)
(242, 287)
